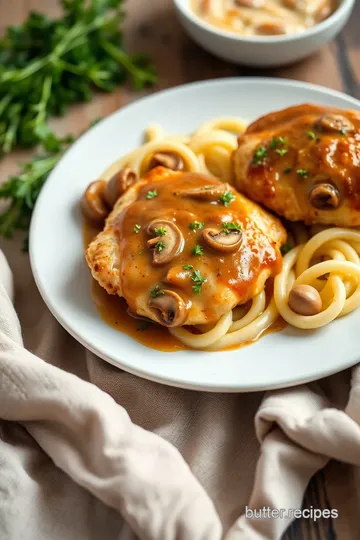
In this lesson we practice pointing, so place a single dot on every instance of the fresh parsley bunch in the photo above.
(22, 190)
(46, 65)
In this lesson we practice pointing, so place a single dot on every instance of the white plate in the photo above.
(279, 359)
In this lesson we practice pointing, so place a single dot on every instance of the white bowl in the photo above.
(262, 51)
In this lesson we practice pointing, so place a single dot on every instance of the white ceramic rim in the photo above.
(345, 6)
(168, 380)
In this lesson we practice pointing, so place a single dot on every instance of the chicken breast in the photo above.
(184, 248)
(304, 164)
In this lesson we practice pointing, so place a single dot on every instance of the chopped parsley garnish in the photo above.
(156, 291)
(141, 252)
(160, 231)
(287, 170)
(196, 225)
(276, 141)
(159, 246)
(188, 267)
(198, 280)
(151, 194)
(229, 226)
(303, 173)
(285, 248)
(281, 151)
(343, 131)
(311, 135)
(260, 155)
(144, 325)
(136, 228)
(227, 198)
(197, 250)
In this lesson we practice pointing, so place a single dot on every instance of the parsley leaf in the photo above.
(49, 64)
(197, 250)
(281, 151)
(188, 267)
(343, 131)
(156, 291)
(144, 325)
(227, 198)
(287, 170)
(160, 231)
(311, 135)
(276, 141)
(228, 226)
(159, 246)
(196, 225)
(260, 155)
(198, 280)
(303, 173)
(136, 228)
(151, 194)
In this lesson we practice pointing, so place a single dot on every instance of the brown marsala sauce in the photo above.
(114, 310)
(238, 272)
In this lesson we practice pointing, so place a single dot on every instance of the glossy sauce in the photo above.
(114, 311)
(232, 278)
(300, 153)
(263, 17)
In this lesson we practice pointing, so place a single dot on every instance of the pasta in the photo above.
(325, 259)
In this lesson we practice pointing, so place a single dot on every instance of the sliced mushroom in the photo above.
(170, 308)
(171, 243)
(118, 184)
(93, 204)
(325, 197)
(207, 193)
(250, 3)
(335, 122)
(225, 241)
(270, 29)
(305, 300)
(169, 160)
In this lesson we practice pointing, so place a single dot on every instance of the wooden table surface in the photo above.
(152, 27)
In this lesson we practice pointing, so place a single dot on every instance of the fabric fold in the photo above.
(144, 478)
(91, 438)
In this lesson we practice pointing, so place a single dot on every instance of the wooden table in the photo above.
(152, 27)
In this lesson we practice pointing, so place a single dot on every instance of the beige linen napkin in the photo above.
(125, 482)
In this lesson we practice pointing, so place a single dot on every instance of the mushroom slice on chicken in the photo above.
(178, 259)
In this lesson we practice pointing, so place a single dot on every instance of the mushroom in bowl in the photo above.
(270, 45)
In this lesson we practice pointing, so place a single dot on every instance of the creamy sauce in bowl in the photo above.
(263, 17)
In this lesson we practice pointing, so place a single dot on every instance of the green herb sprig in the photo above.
(156, 291)
(22, 190)
(229, 226)
(48, 64)
(197, 250)
(198, 280)
(227, 198)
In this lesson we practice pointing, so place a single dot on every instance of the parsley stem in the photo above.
(4, 102)
(12, 129)
(45, 96)
(126, 61)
